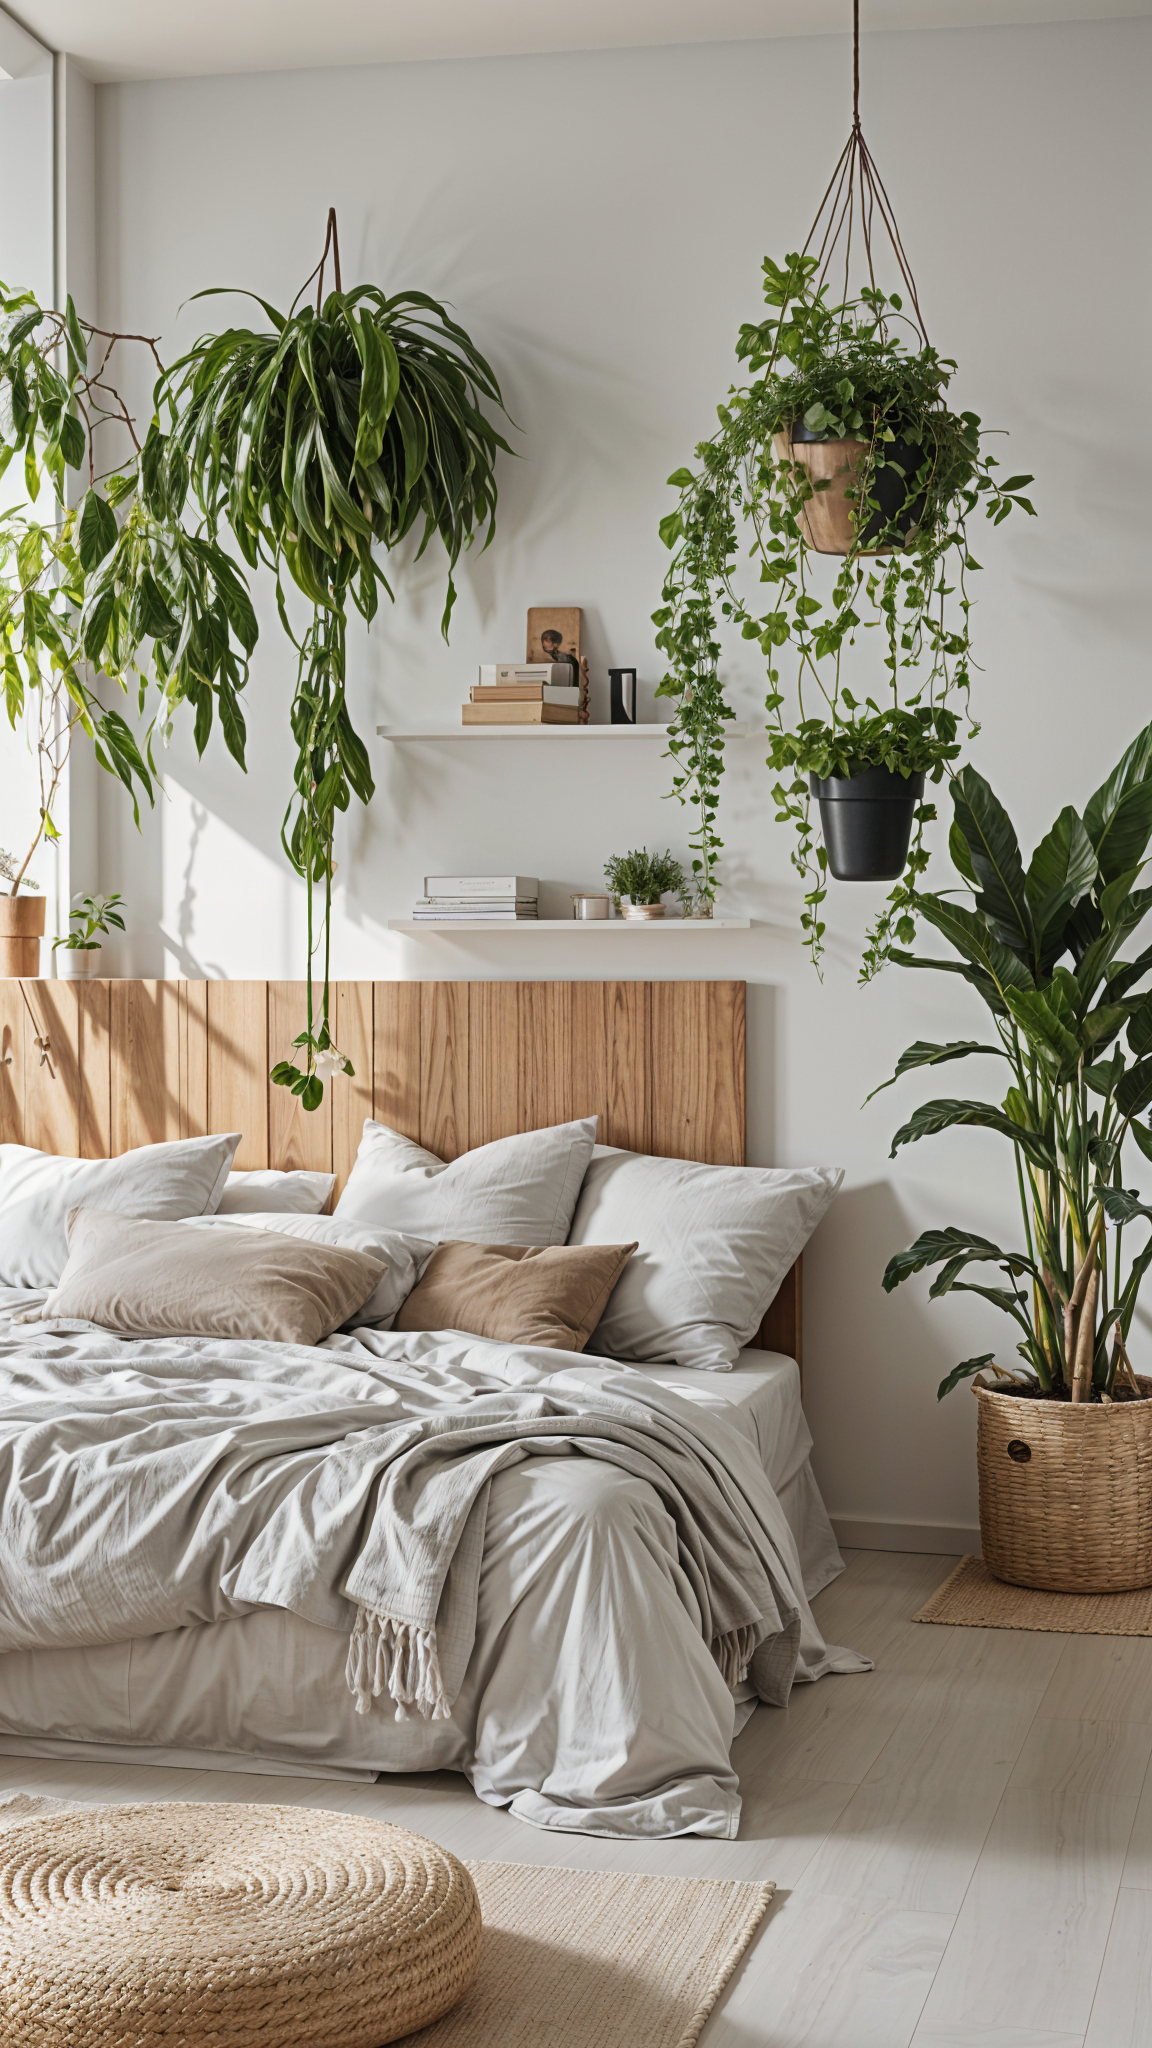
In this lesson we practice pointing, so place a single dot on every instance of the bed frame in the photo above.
(92, 1068)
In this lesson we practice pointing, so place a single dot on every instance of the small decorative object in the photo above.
(80, 949)
(1064, 1446)
(586, 909)
(643, 878)
(855, 483)
(554, 635)
(622, 691)
(21, 923)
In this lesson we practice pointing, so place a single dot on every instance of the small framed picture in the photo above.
(554, 635)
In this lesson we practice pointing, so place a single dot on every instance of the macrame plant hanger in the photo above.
(856, 191)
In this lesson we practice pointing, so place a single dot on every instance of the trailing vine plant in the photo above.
(306, 444)
(856, 369)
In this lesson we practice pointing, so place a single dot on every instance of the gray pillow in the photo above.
(518, 1190)
(38, 1189)
(173, 1280)
(715, 1245)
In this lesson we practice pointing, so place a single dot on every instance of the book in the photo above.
(464, 904)
(495, 674)
(472, 886)
(525, 693)
(522, 714)
(474, 915)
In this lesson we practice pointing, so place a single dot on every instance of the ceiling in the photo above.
(127, 39)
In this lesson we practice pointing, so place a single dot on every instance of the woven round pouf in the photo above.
(227, 1927)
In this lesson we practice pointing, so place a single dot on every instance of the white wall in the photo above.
(598, 222)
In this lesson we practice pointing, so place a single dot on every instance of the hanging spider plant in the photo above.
(313, 441)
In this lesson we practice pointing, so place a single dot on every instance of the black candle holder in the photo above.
(622, 688)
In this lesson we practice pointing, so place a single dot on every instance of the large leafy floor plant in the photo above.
(1045, 947)
(307, 444)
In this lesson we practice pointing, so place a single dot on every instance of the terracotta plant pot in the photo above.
(1066, 1492)
(21, 930)
(828, 519)
(643, 910)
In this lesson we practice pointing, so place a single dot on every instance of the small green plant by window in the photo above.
(94, 917)
(642, 876)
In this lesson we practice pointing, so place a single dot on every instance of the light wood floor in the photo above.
(962, 1840)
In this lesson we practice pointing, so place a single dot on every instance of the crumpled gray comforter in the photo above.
(150, 1486)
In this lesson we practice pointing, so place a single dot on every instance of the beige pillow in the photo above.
(517, 1294)
(144, 1279)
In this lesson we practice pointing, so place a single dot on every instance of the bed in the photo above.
(581, 1565)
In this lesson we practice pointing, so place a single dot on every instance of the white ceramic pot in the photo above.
(79, 964)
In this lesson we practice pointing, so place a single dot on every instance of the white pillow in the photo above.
(265, 1190)
(715, 1244)
(37, 1189)
(404, 1257)
(519, 1190)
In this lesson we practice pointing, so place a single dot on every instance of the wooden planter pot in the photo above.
(21, 930)
(1066, 1492)
(828, 519)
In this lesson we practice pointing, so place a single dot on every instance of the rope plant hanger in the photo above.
(842, 447)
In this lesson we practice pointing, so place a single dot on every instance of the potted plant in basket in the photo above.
(94, 917)
(844, 446)
(643, 878)
(1064, 1445)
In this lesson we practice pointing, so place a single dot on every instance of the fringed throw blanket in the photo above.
(153, 1485)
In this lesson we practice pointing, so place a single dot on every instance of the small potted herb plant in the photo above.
(1064, 1445)
(94, 917)
(643, 878)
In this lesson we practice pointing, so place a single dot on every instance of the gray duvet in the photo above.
(152, 1487)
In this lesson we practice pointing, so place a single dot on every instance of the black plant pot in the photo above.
(888, 486)
(866, 820)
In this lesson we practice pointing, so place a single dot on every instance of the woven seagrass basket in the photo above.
(1066, 1492)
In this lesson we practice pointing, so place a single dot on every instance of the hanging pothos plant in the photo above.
(843, 446)
(308, 443)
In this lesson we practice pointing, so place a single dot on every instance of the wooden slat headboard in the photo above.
(94, 1068)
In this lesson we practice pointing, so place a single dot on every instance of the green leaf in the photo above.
(971, 936)
(75, 334)
(1143, 1137)
(995, 856)
(1139, 1033)
(933, 1248)
(1122, 1205)
(1130, 771)
(97, 533)
(946, 1114)
(1062, 869)
(1134, 1091)
(966, 1371)
(924, 1054)
(1046, 1033)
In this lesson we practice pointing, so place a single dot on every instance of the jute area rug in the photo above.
(576, 1959)
(971, 1598)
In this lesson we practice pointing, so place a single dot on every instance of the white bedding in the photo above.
(566, 1713)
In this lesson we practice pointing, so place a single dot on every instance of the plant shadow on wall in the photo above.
(844, 448)
(307, 444)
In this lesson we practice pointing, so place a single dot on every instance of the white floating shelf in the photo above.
(543, 732)
(435, 927)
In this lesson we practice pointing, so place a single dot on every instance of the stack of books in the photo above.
(524, 693)
(495, 899)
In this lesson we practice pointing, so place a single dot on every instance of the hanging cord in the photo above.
(856, 187)
(331, 241)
